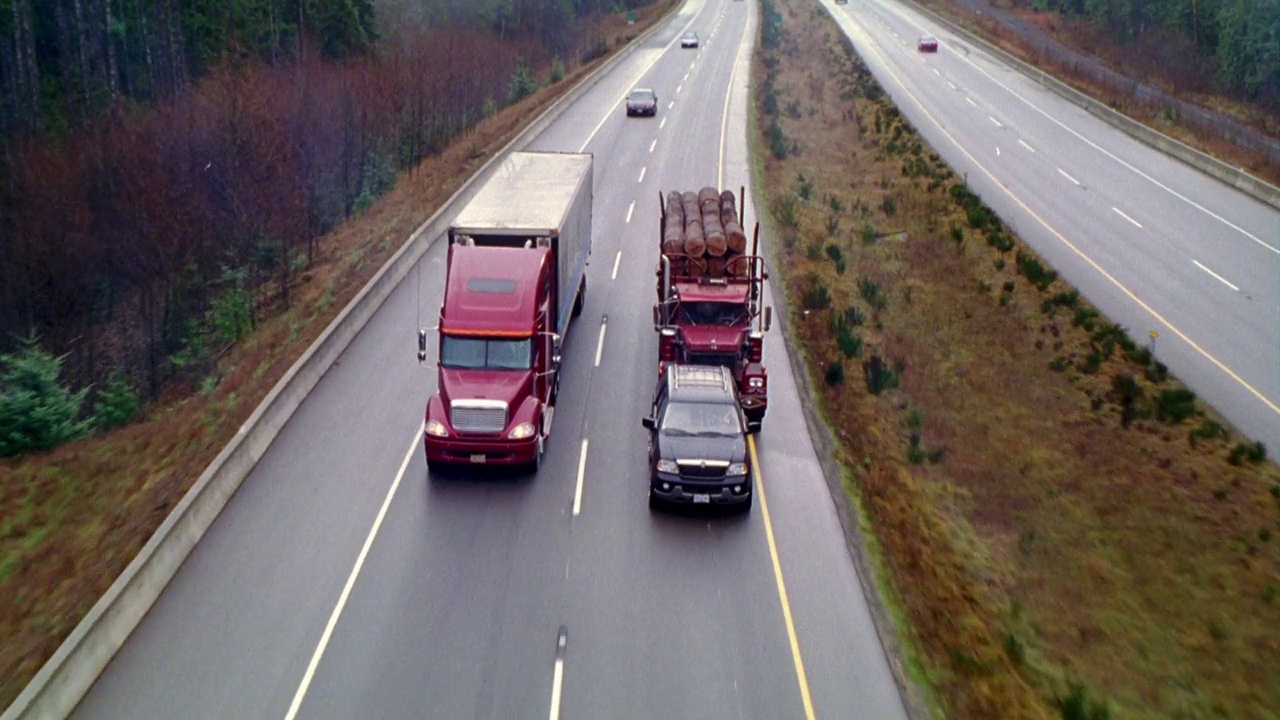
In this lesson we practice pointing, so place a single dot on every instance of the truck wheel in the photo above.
(534, 466)
(581, 300)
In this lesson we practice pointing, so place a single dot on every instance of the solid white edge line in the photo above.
(616, 261)
(1065, 175)
(1215, 275)
(600, 343)
(582, 471)
(1126, 217)
(631, 210)
(351, 581)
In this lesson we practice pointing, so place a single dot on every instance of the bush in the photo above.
(867, 234)
(870, 291)
(786, 212)
(1209, 430)
(557, 71)
(816, 296)
(1254, 453)
(117, 404)
(806, 188)
(835, 373)
(523, 83)
(850, 345)
(878, 375)
(1075, 705)
(36, 411)
(1036, 273)
(854, 317)
(1175, 405)
(777, 140)
(889, 205)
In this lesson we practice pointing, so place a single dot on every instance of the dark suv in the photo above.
(698, 439)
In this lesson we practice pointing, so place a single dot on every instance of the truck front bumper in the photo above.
(459, 451)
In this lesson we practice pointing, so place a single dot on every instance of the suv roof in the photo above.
(701, 382)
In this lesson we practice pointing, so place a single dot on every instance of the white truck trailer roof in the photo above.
(530, 193)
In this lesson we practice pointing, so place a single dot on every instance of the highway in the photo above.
(1153, 243)
(343, 581)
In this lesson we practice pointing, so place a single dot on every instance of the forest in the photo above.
(167, 166)
(1238, 41)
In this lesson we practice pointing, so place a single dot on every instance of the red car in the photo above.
(927, 43)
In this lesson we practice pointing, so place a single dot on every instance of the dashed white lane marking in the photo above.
(630, 210)
(1216, 275)
(641, 179)
(997, 151)
(953, 85)
(1023, 144)
(997, 122)
(679, 88)
(971, 102)
(1064, 174)
(600, 344)
(616, 261)
(351, 582)
(671, 104)
(935, 72)
(557, 675)
(1126, 217)
(582, 470)
(662, 124)
(653, 144)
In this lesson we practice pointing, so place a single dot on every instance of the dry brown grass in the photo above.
(1034, 541)
(76, 516)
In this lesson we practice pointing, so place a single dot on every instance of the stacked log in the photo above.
(703, 235)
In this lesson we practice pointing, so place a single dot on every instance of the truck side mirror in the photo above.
(657, 317)
(768, 317)
(649, 423)
(422, 346)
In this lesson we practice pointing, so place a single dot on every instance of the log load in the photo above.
(703, 234)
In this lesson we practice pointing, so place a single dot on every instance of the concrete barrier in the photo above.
(1233, 176)
(65, 678)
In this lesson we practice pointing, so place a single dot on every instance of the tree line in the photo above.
(141, 241)
(1242, 37)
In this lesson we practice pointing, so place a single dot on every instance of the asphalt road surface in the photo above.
(1156, 245)
(343, 581)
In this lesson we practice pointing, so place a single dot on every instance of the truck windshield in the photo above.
(712, 313)
(470, 353)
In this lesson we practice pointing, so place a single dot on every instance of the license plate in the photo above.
(478, 458)
(701, 498)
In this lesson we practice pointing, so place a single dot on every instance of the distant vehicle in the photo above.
(927, 43)
(842, 2)
(698, 439)
(642, 101)
(689, 40)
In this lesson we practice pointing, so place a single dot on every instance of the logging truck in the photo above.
(710, 291)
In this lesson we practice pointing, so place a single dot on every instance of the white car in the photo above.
(689, 40)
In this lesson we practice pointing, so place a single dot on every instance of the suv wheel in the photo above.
(655, 502)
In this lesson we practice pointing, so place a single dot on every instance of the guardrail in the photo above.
(65, 678)
(1233, 176)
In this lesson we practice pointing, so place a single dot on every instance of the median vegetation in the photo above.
(1064, 529)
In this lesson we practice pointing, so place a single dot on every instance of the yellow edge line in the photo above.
(1112, 279)
(782, 585)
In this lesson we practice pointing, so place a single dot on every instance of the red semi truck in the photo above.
(710, 292)
(516, 276)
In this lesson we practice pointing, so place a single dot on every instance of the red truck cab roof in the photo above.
(492, 290)
(712, 292)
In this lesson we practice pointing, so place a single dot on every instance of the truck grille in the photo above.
(702, 469)
(487, 416)
(729, 360)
